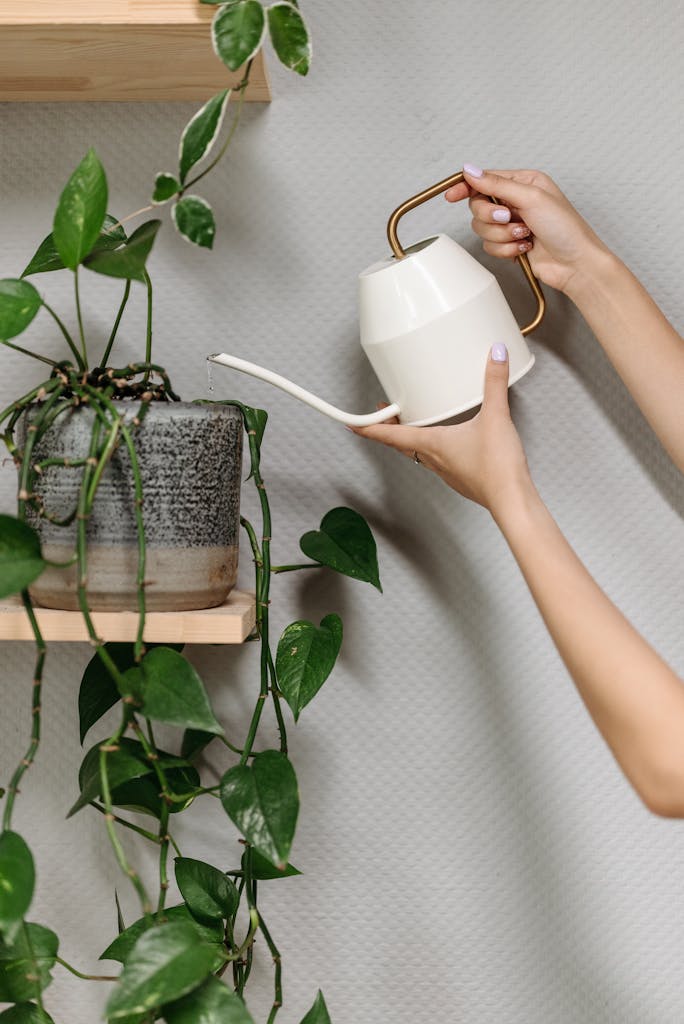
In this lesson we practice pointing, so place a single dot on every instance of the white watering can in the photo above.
(429, 316)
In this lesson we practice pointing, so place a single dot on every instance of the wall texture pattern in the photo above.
(470, 851)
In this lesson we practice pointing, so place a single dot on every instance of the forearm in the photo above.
(635, 699)
(642, 345)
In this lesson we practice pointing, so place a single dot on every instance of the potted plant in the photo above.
(190, 962)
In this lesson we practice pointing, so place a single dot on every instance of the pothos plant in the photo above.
(188, 963)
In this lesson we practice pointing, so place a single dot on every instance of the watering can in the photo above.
(429, 315)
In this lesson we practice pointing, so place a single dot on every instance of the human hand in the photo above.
(535, 218)
(482, 459)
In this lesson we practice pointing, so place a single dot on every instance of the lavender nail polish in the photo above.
(499, 352)
(473, 170)
(502, 215)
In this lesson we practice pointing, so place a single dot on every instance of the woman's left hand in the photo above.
(483, 459)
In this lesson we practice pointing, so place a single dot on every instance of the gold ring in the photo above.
(417, 459)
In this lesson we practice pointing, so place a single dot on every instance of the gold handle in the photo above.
(435, 190)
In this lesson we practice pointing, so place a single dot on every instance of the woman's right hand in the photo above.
(534, 217)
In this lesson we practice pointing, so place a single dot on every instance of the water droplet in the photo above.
(210, 377)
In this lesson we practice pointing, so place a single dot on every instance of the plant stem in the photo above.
(115, 328)
(85, 977)
(69, 340)
(33, 355)
(295, 568)
(79, 315)
(148, 333)
(278, 981)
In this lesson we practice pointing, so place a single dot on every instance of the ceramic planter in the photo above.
(190, 460)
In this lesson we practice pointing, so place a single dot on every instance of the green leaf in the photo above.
(25, 1013)
(194, 742)
(98, 692)
(212, 1003)
(25, 964)
(318, 1014)
(208, 892)
(344, 543)
(171, 691)
(290, 37)
(123, 764)
(305, 658)
(120, 948)
(19, 303)
(165, 187)
(81, 211)
(20, 558)
(237, 32)
(201, 132)
(128, 261)
(263, 801)
(17, 880)
(255, 419)
(194, 220)
(165, 963)
(143, 794)
(47, 258)
(263, 870)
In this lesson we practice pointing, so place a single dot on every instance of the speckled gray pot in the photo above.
(190, 460)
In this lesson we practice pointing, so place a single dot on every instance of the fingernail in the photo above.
(473, 170)
(524, 246)
(502, 215)
(520, 232)
(499, 352)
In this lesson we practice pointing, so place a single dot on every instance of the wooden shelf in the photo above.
(231, 623)
(53, 50)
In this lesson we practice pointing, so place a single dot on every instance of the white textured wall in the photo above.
(471, 852)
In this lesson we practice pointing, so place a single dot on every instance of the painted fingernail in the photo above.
(502, 215)
(499, 352)
(524, 246)
(520, 232)
(473, 170)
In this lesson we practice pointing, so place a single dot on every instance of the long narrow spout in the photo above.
(349, 418)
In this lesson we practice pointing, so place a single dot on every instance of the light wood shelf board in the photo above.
(124, 50)
(230, 623)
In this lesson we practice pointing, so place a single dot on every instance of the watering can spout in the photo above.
(348, 418)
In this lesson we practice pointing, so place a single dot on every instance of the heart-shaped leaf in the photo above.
(171, 691)
(25, 1013)
(81, 211)
(208, 933)
(208, 892)
(165, 186)
(194, 220)
(290, 37)
(129, 260)
(144, 793)
(47, 258)
(344, 543)
(263, 870)
(211, 1003)
(123, 764)
(263, 801)
(20, 559)
(237, 32)
(318, 1014)
(201, 132)
(17, 880)
(165, 963)
(26, 963)
(305, 658)
(19, 303)
(194, 742)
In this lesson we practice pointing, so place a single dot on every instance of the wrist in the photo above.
(596, 271)
(516, 505)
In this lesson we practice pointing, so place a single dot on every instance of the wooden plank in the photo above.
(158, 53)
(231, 623)
(104, 12)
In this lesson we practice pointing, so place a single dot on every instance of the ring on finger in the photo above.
(417, 459)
